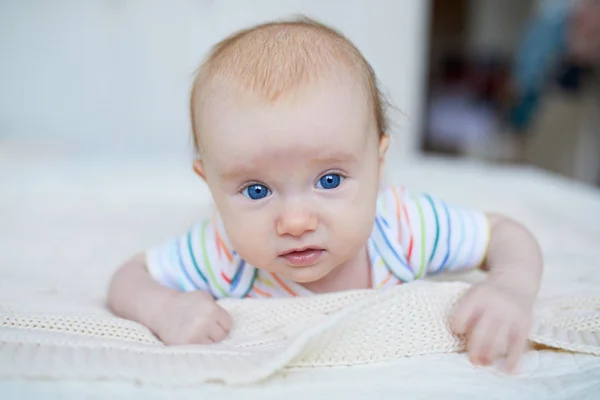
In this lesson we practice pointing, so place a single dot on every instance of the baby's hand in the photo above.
(496, 322)
(192, 318)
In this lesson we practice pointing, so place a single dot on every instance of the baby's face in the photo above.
(295, 182)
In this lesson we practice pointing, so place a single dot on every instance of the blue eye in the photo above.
(256, 192)
(329, 181)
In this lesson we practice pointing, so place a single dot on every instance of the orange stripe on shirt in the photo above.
(221, 245)
(398, 214)
(411, 241)
(386, 280)
(257, 290)
(283, 285)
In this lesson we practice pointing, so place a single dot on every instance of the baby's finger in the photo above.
(200, 337)
(224, 319)
(465, 316)
(517, 346)
(480, 341)
(216, 333)
(499, 347)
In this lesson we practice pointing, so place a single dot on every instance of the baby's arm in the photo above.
(175, 317)
(514, 258)
(496, 314)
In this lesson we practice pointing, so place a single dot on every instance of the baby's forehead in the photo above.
(322, 122)
(284, 153)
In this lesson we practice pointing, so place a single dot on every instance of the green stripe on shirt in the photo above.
(189, 242)
(207, 261)
(437, 228)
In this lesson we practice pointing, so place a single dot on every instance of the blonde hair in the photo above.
(274, 59)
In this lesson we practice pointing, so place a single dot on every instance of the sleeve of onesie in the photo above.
(435, 235)
(199, 260)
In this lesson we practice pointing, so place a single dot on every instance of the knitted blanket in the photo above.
(64, 339)
(65, 226)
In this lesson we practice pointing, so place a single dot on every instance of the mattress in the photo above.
(68, 221)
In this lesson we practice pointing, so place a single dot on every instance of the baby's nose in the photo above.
(296, 221)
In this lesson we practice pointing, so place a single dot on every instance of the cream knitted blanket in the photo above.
(63, 339)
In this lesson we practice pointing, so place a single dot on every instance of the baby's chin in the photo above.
(305, 274)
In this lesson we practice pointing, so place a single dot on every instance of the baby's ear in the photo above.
(199, 169)
(384, 143)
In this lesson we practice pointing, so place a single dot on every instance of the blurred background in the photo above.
(515, 81)
(504, 81)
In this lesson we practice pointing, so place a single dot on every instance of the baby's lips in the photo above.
(303, 258)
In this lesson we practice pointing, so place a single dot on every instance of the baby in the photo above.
(291, 136)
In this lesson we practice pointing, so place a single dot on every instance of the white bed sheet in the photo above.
(64, 216)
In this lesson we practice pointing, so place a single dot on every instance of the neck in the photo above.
(352, 275)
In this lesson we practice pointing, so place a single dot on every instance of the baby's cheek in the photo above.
(352, 224)
(249, 238)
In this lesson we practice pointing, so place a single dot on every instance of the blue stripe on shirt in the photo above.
(411, 275)
(182, 265)
(389, 245)
(238, 275)
(449, 240)
(189, 244)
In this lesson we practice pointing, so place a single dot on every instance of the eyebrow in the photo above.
(238, 170)
(344, 158)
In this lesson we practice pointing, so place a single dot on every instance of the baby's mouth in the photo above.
(304, 257)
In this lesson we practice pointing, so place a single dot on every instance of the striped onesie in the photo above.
(412, 236)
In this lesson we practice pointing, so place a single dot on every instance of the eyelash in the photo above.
(332, 172)
(252, 183)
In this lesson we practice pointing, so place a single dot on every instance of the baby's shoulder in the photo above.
(389, 194)
(401, 194)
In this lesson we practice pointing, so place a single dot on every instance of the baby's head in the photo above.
(290, 130)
